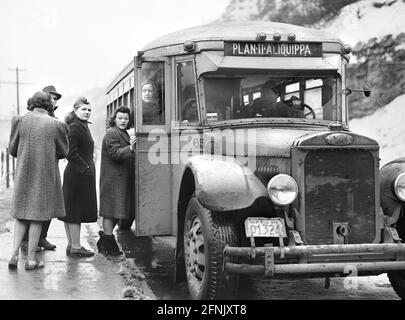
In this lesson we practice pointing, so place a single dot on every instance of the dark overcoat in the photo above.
(116, 175)
(79, 179)
(38, 141)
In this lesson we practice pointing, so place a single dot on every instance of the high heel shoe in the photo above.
(13, 263)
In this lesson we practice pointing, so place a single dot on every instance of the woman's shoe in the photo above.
(108, 245)
(33, 264)
(101, 243)
(43, 243)
(13, 263)
(68, 248)
(113, 248)
(82, 252)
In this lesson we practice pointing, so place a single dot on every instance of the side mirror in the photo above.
(366, 91)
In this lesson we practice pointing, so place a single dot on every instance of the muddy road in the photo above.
(155, 258)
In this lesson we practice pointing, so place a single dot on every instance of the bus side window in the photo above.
(186, 96)
(152, 92)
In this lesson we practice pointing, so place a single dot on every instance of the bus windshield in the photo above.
(243, 97)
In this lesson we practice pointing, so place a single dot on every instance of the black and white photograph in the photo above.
(179, 151)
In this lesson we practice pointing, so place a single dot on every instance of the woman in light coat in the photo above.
(37, 141)
(116, 179)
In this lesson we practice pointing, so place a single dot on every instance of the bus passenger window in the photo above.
(186, 96)
(152, 93)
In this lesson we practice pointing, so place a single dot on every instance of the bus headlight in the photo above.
(282, 189)
(399, 186)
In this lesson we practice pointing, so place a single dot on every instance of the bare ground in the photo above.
(135, 288)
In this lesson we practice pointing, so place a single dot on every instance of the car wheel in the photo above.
(205, 235)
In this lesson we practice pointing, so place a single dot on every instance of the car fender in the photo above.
(390, 204)
(222, 183)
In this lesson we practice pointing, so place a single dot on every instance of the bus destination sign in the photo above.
(273, 49)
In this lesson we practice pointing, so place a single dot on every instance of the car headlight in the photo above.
(399, 186)
(282, 189)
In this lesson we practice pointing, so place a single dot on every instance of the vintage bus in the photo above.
(245, 155)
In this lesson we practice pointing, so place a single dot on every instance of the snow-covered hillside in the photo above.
(363, 20)
(355, 23)
(358, 23)
(387, 127)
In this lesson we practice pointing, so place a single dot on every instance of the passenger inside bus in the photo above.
(152, 111)
(190, 111)
(310, 97)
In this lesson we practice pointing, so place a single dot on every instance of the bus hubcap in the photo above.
(195, 254)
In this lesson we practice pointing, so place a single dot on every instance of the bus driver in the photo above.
(267, 105)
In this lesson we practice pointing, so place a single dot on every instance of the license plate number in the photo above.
(265, 227)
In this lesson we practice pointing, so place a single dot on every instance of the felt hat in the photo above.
(51, 89)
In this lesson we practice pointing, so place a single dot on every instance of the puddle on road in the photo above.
(155, 258)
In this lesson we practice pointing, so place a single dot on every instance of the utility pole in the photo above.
(18, 83)
(18, 87)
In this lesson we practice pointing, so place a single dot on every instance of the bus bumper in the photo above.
(316, 260)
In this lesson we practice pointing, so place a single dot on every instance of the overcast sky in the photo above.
(77, 45)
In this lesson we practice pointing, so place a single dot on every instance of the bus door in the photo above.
(152, 171)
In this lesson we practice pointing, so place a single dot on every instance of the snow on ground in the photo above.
(362, 21)
(387, 127)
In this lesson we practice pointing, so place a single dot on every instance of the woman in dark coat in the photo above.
(116, 179)
(79, 179)
(37, 141)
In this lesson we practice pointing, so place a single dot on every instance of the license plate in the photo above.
(265, 227)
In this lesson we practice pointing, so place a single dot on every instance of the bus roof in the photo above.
(245, 30)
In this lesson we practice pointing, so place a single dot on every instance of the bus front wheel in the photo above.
(205, 235)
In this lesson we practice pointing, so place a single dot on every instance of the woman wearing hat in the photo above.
(37, 141)
(79, 179)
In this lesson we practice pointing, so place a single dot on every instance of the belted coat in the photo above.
(116, 175)
(79, 178)
(37, 141)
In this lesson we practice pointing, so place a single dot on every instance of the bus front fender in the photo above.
(222, 183)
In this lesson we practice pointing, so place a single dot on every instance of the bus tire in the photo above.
(205, 235)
